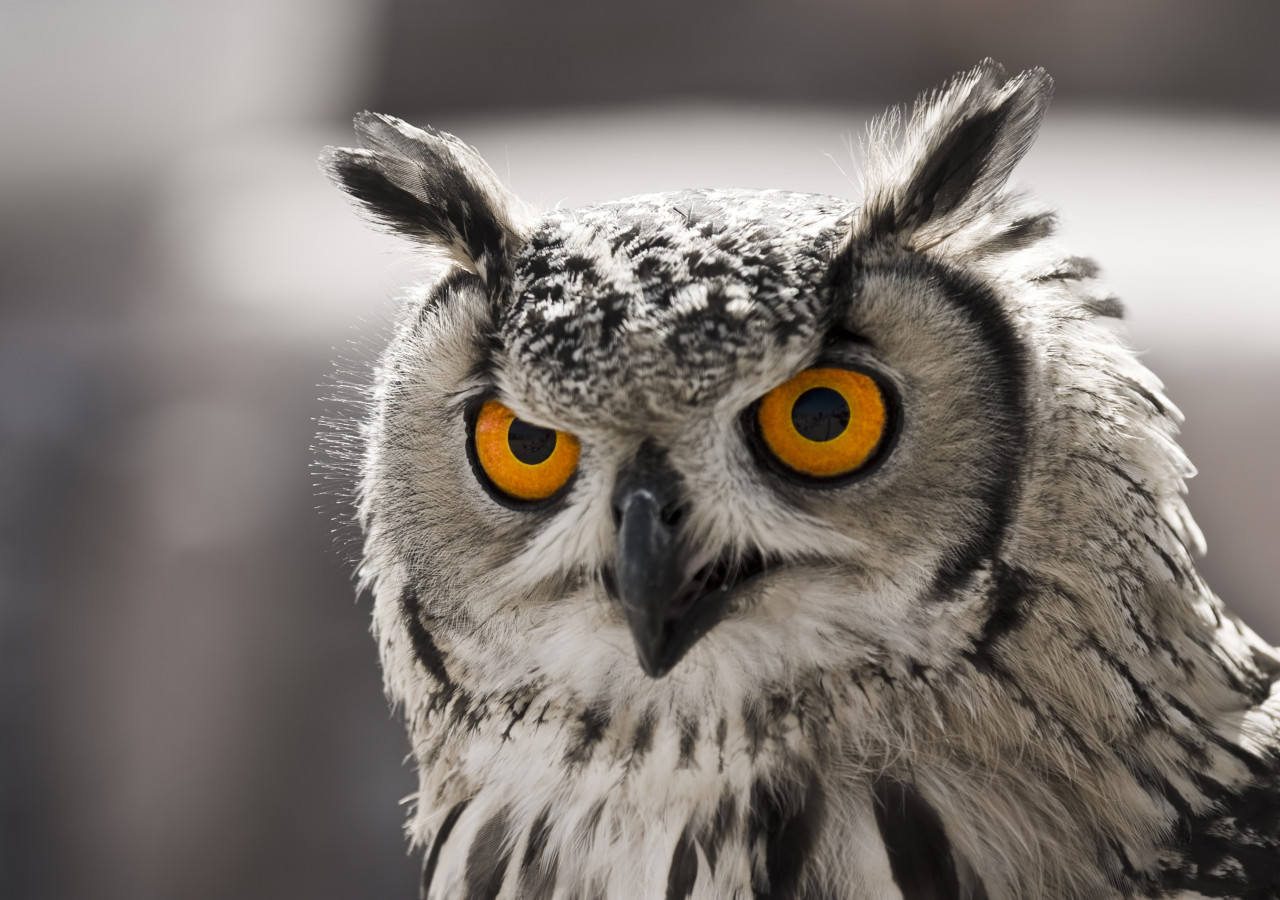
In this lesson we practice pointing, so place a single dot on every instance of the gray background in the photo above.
(189, 700)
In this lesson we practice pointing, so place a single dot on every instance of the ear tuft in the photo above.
(956, 155)
(432, 188)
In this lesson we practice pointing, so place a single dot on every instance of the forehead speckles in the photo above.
(677, 292)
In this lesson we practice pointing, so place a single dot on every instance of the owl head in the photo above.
(697, 451)
(721, 435)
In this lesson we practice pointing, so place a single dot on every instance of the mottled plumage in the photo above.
(980, 665)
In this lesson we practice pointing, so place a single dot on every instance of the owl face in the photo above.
(682, 516)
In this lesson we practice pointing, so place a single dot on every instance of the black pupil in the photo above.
(820, 414)
(529, 443)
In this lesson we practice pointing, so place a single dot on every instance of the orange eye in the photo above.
(523, 461)
(824, 423)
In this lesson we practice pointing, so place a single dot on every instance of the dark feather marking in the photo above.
(592, 821)
(517, 707)
(1137, 387)
(948, 175)
(535, 260)
(1206, 643)
(488, 857)
(433, 857)
(1010, 586)
(577, 264)
(624, 238)
(424, 648)
(592, 724)
(1108, 307)
(726, 818)
(1247, 681)
(688, 740)
(643, 739)
(1257, 767)
(785, 824)
(1135, 487)
(1023, 232)
(1268, 665)
(460, 709)
(1140, 690)
(1179, 574)
(920, 854)
(537, 841)
(754, 725)
(1157, 785)
(1245, 829)
(1244, 682)
(1147, 882)
(843, 281)
(537, 872)
(1073, 268)
(722, 732)
(683, 873)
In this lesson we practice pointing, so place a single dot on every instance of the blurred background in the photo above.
(189, 699)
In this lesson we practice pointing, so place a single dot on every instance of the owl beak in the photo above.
(666, 606)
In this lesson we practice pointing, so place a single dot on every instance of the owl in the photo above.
(751, 544)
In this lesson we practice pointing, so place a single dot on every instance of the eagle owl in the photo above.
(753, 544)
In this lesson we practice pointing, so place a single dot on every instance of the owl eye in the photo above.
(825, 423)
(521, 461)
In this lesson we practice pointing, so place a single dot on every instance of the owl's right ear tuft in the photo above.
(432, 188)
(953, 159)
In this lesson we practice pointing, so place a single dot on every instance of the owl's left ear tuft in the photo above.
(432, 188)
(956, 155)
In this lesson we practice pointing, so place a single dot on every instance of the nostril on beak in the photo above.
(649, 482)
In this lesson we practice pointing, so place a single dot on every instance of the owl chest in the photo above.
(588, 852)
(543, 819)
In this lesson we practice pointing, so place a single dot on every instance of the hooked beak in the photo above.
(670, 596)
